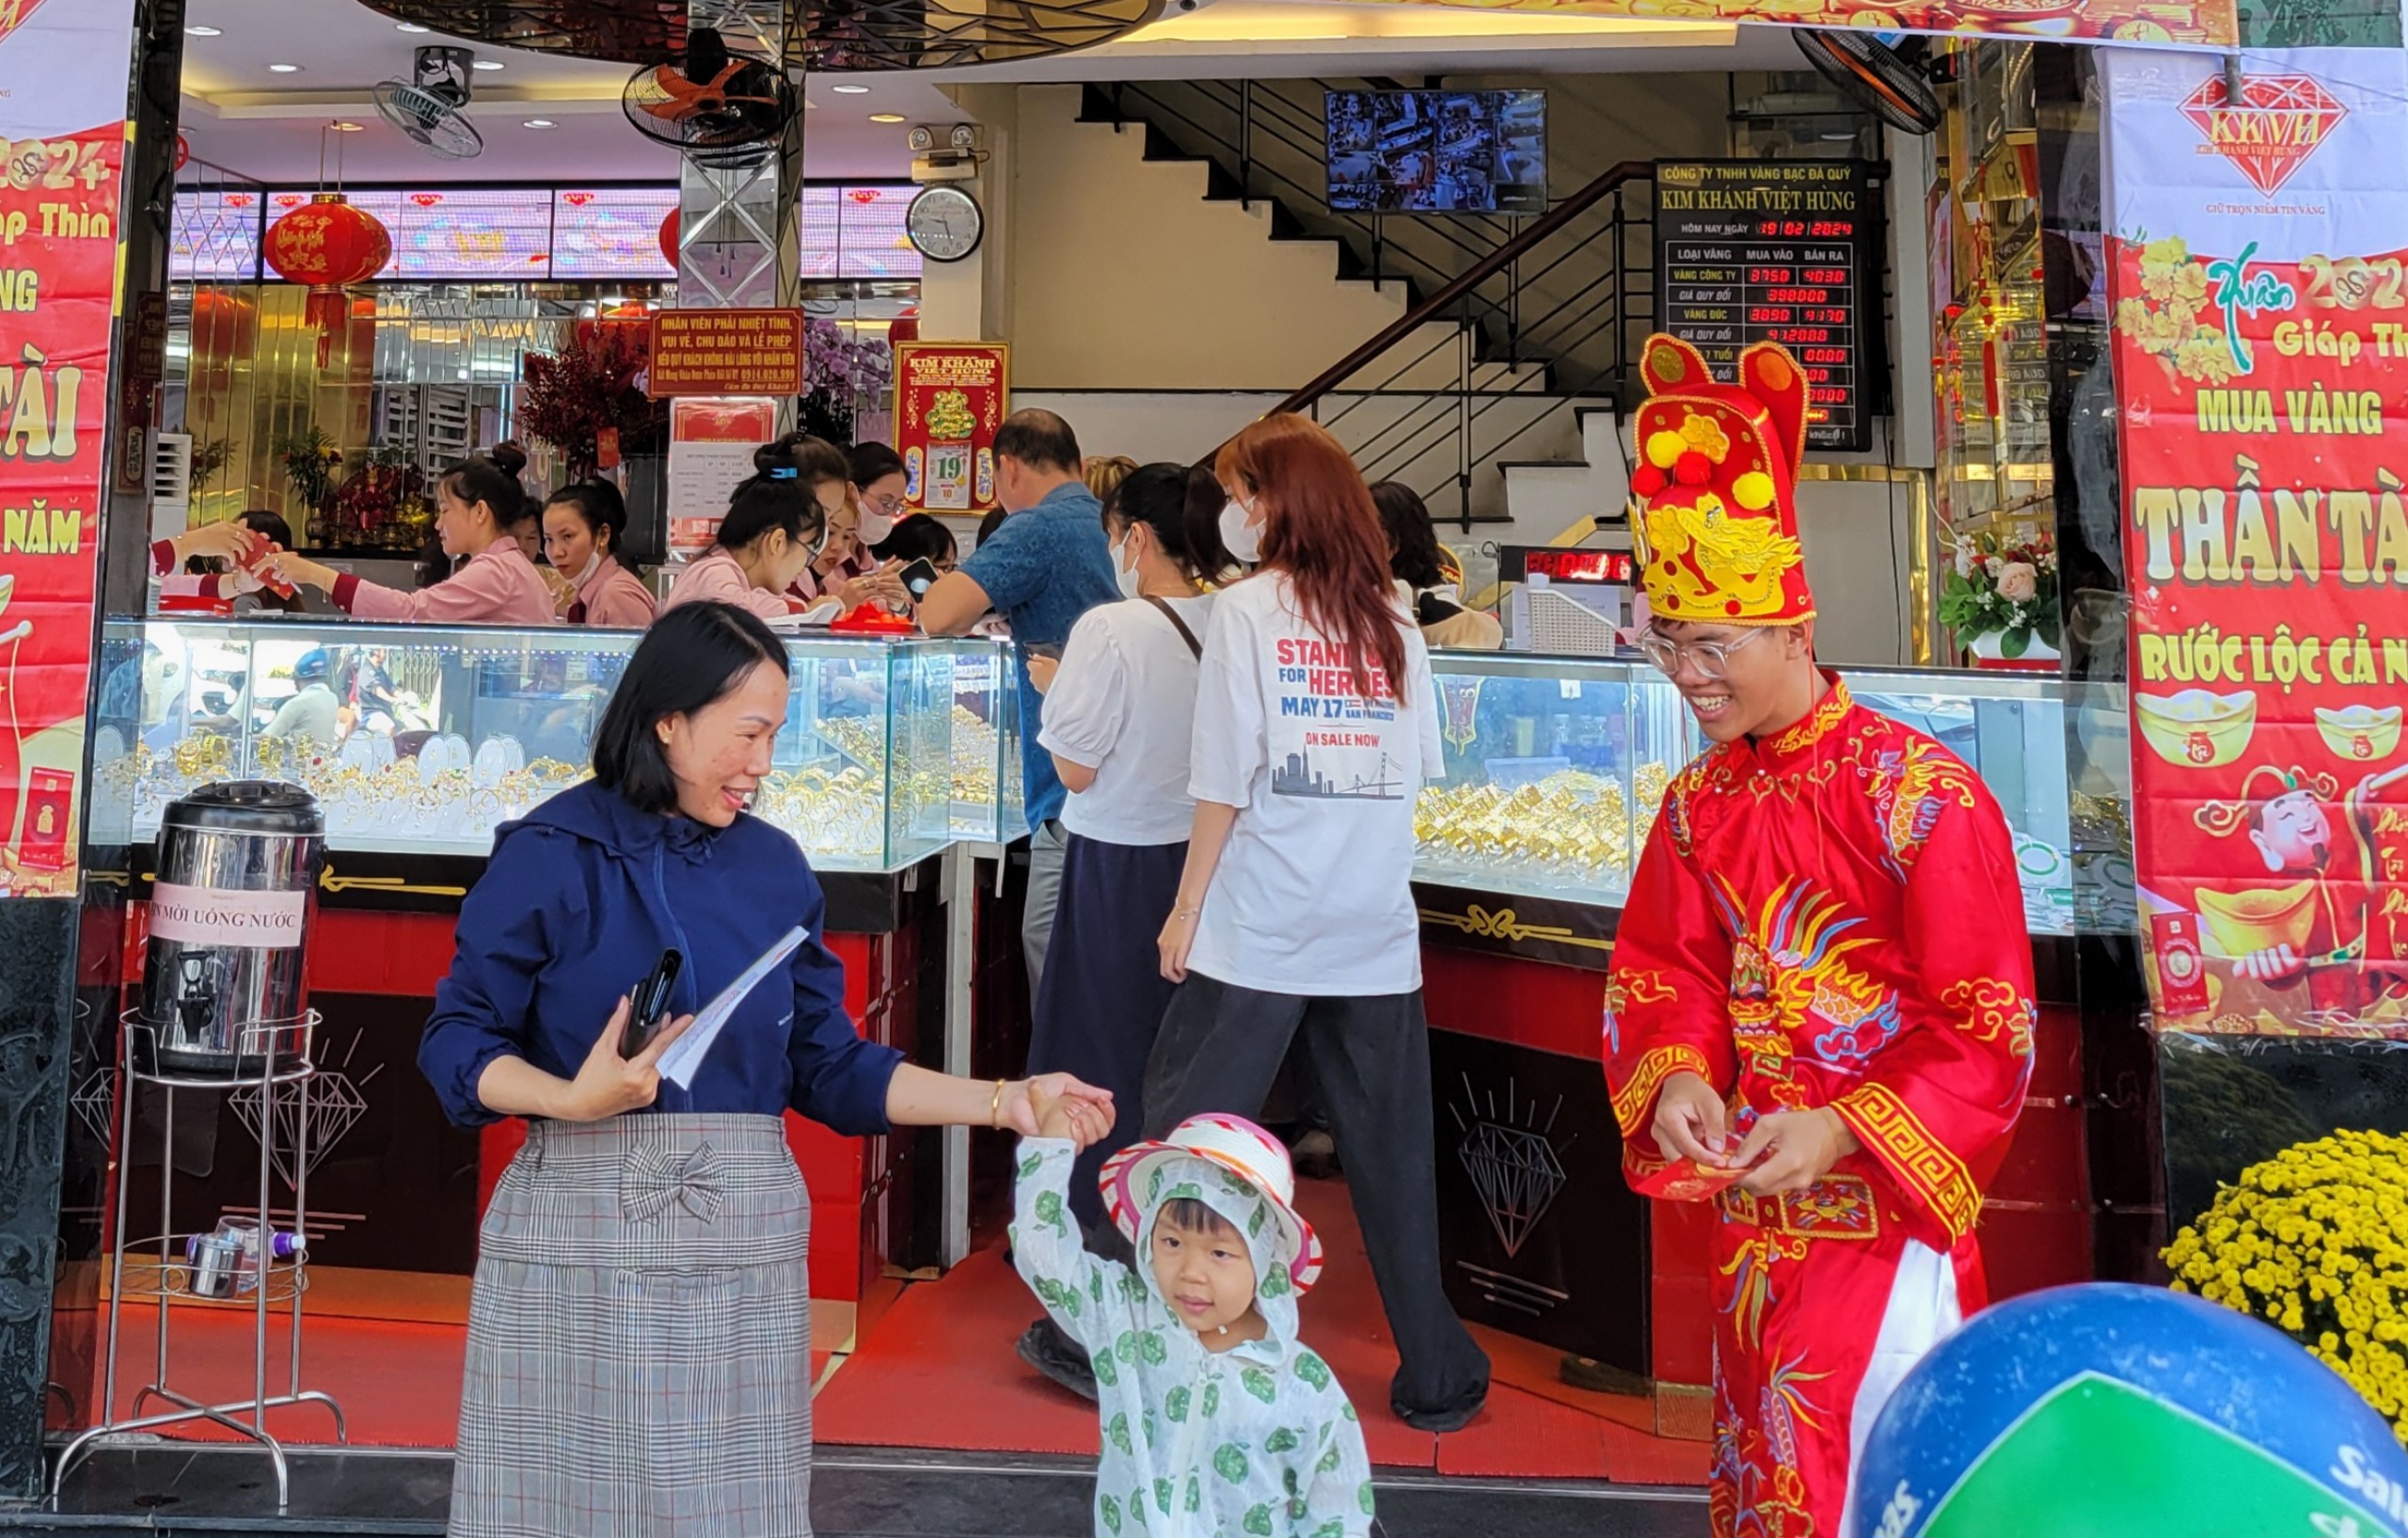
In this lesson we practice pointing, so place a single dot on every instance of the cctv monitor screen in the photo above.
(1437, 151)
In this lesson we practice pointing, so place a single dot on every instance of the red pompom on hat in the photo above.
(1647, 481)
(1693, 469)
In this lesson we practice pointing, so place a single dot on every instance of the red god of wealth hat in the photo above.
(1715, 520)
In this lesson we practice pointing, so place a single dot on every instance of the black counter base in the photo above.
(152, 1491)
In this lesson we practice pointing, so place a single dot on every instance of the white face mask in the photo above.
(874, 528)
(592, 564)
(1242, 538)
(1124, 568)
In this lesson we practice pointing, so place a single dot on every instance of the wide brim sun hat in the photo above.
(1131, 1178)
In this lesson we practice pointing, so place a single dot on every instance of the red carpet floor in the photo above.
(937, 1372)
(940, 1372)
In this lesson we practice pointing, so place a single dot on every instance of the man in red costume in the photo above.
(1820, 1013)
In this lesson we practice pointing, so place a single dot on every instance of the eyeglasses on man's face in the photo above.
(1704, 658)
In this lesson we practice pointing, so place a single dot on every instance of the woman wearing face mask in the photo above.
(771, 533)
(638, 1330)
(1316, 725)
(478, 501)
(582, 526)
(879, 484)
(842, 570)
(1118, 712)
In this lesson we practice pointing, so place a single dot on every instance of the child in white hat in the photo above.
(1216, 1418)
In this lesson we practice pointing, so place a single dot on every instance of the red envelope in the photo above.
(264, 574)
(1686, 1179)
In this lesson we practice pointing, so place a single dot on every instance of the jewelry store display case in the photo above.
(1556, 769)
(892, 749)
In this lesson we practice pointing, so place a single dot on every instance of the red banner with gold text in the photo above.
(2259, 274)
(62, 122)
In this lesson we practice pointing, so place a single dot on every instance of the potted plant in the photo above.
(310, 459)
(207, 460)
(2001, 599)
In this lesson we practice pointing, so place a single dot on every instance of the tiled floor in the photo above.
(856, 1493)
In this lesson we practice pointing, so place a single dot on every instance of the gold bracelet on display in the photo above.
(995, 1107)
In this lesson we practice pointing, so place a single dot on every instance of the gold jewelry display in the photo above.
(1572, 827)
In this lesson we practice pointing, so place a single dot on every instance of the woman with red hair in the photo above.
(1316, 724)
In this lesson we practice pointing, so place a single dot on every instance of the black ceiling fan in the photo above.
(1892, 84)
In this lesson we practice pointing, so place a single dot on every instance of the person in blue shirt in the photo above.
(1047, 564)
(639, 1329)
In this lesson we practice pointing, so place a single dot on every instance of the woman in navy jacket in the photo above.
(638, 1351)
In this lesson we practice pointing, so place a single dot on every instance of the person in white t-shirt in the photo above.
(1119, 707)
(1316, 724)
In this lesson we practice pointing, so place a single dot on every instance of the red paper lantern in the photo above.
(671, 228)
(329, 245)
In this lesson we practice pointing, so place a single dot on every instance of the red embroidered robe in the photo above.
(1830, 917)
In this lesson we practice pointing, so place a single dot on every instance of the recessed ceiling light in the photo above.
(410, 26)
(489, 64)
(202, 32)
(850, 91)
(886, 117)
(539, 122)
(284, 69)
(341, 126)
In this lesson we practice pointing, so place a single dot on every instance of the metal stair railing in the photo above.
(1505, 312)
(1602, 321)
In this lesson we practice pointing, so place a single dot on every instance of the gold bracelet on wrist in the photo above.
(995, 1107)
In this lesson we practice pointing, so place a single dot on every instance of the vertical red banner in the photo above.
(2259, 267)
(66, 65)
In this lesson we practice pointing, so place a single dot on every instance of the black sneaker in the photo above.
(1046, 1348)
(1439, 1423)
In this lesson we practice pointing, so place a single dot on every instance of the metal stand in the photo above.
(282, 1052)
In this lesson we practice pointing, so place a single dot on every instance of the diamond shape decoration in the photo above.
(1518, 1175)
(2279, 121)
(335, 1104)
(1511, 1160)
(94, 1102)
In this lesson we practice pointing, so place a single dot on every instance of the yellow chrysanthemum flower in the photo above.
(2314, 1240)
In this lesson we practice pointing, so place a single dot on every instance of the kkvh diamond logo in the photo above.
(2280, 120)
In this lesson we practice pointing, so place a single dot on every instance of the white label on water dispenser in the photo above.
(208, 915)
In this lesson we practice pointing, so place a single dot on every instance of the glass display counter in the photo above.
(421, 740)
(987, 806)
(1556, 768)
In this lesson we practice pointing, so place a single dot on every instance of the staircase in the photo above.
(1495, 395)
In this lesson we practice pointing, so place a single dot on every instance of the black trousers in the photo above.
(1103, 993)
(1219, 1049)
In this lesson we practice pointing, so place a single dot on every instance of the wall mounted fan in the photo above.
(722, 108)
(1882, 80)
(427, 108)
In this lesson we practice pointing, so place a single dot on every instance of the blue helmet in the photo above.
(313, 663)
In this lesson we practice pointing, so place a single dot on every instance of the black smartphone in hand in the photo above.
(648, 1006)
(918, 578)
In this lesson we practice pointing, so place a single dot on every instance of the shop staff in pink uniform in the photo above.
(583, 525)
(773, 531)
(497, 586)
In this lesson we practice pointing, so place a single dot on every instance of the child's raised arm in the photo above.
(1082, 1292)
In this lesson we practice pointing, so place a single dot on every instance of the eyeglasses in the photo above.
(890, 504)
(1708, 658)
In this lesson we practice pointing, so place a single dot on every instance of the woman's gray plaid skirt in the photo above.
(640, 1338)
